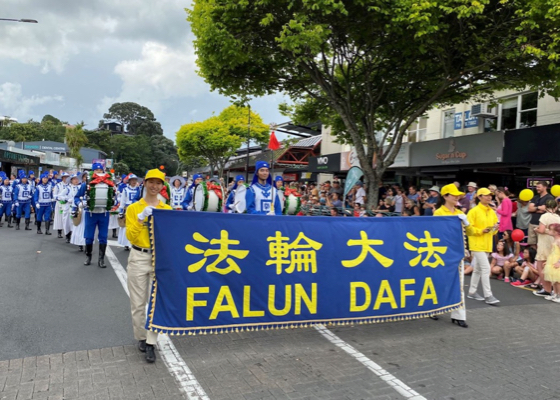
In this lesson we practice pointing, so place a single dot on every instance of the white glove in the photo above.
(464, 219)
(1, 205)
(146, 213)
(16, 204)
(37, 205)
(271, 213)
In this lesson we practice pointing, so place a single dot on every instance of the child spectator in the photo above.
(528, 269)
(499, 259)
(552, 266)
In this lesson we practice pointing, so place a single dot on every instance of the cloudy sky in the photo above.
(83, 56)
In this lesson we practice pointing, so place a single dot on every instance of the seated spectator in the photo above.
(389, 195)
(499, 258)
(528, 269)
(334, 212)
(413, 193)
(360, 193)
(514, 246)
(336, 188)
(411, 207)
(334, 200)
(431, 202)
(406, 213)
(385, 207)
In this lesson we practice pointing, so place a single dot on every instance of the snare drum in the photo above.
(206, 200)
(292, 205)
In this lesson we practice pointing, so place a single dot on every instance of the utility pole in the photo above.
(248, 144)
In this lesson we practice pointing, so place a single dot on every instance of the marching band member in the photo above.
(279, 186)
(6, 200)
(178, 192)
(139, 269)
(23, 195)
(188, 202)
(72, 190)
(259, 195)
(230, 202)
(42, 198)
(77, 237)
(59, 195)
(128, 196)
(99, 196)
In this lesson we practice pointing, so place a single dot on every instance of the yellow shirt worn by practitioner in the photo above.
(136, 232)
(480, 218)
(444, 212)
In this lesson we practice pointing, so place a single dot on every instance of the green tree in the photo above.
(135, 152)
(51, 119)
(371, 68)
(121, 168)
(76, 139)
(217, 138)
(130, 115)
(100, 140)
(33, 131)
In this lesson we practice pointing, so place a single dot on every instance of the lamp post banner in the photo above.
(217, 273)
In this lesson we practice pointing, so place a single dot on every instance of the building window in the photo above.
(528, 111)
(519, 111)
(416, 132)
(448, 123)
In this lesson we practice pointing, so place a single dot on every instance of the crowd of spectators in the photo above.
(519, 263)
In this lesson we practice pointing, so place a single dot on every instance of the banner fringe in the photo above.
(296, 325)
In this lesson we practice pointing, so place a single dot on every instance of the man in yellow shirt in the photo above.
(140, 271)
(483, 222)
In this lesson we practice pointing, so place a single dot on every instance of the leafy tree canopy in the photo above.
(370, 68)
(217, 138)
(130, 115)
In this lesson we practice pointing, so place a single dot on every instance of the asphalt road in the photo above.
(52, 303)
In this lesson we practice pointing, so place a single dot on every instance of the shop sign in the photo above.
(289, 177)
(325, 163)
(470, 149)
(470, 121)
(18, 158)
(532, 182)
(458, 120)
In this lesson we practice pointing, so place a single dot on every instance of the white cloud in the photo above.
(14, 103)
(161, 73)
(68, 28)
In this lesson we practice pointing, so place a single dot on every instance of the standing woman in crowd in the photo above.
(545, 242)
(484, 225)
(448, 200)
(504, 211)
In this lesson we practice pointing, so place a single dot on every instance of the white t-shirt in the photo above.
(398, 203)
(360, 194)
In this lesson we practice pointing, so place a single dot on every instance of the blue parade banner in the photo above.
(219, 272)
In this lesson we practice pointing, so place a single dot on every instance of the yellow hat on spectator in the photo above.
(155, 173)
(451, 189)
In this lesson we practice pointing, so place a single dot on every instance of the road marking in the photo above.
(177, 367)
(114, 243)
(395, 383)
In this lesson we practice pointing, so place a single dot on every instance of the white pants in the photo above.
(461, 314)
(140, 276)
(481, 272)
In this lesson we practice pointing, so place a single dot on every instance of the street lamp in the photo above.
(31, 21)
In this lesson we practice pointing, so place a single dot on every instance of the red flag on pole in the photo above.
(273, 143)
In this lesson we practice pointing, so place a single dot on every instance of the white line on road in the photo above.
(169, 354)
(395, 383)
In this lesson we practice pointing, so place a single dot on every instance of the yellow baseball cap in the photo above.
(483, 192)
(155, 173)
(451, 189)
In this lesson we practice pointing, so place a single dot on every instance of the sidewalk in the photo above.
(111, 373)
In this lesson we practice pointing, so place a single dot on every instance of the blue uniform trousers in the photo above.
(99, 220)
(6, 209)
(43, 213)
(25, 209)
